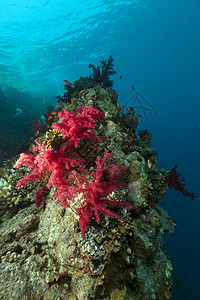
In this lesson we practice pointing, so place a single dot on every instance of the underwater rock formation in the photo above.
(43, 253)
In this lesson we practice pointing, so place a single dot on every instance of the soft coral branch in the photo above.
(175, 181)
(81, 124)
(66, 170)
(96, 193)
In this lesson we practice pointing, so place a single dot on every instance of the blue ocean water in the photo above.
(156, 47)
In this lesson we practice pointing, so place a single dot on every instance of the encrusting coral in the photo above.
(96, 231)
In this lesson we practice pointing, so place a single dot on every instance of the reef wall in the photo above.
(111, 248)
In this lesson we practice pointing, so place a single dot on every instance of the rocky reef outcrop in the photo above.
(42, 252)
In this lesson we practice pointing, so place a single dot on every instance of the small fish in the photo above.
(172, 222)
(95, 149)
(54, 113)
(122, 109)
(50, 118)
(120, 77)
(132, 87)
(67, 82)
(130, 139)
(119, 123)
(75, 93)
(37, 133)
(58, 97)
(59, 105)
(72, 102)
(127, 130)
(102, 64)
(118, 105)
(149, 164)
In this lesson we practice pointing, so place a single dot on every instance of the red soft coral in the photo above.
(79, 125)
(40, 163)
(97, 190)
(66, 170)
(177, 182)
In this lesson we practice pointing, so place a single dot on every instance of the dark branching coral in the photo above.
(101, 74)
(177, 182)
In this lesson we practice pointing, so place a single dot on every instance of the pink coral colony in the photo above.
(67, 171)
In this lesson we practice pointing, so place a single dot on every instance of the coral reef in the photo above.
(96, 231)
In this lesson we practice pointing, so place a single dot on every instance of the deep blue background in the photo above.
(156, 47)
